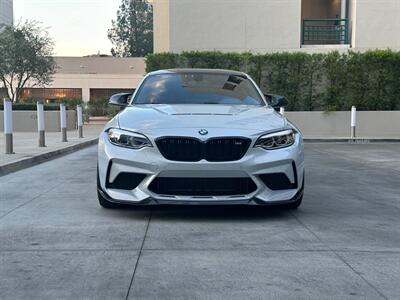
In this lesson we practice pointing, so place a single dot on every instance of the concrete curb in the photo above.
(350, 141)
(38, 159)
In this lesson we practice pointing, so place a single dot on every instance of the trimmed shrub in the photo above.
(31, 106)
(99, 107)
(328, 81)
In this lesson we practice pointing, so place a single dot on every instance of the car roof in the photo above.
(197, 70)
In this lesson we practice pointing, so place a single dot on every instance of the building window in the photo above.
(106, 93)
(50, 94)
(324, 22)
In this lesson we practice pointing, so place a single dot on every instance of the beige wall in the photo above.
(267, 25)
(97, 73)
(377, 24)
(26, 121)
(6, 12)
(351, 14)
(93, 81)
(161, 25)
(100, 65)
(315, 124)
(230, 25)
(370, 124)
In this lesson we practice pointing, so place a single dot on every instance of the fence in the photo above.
(325, 31)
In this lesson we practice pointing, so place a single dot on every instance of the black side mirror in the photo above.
(121, 99)
(276, 101)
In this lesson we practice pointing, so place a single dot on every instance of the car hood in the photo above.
(145, 118)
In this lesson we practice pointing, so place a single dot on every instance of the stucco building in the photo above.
(88, 78)
(81, 77)
(275, 25)
(6, 12)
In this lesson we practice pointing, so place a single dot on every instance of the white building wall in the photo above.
(88, 73)
(376, 24)
(268, 25)
(98, 73)
(161, 25)
(234, 25)
(95, 81)
(6, 12)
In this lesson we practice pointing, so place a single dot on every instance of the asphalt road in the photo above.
(343, 243)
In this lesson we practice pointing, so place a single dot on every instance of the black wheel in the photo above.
(103, 201)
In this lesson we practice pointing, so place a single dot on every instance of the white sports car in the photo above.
(198, 136)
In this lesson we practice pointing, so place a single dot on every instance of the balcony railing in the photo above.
(325, 31)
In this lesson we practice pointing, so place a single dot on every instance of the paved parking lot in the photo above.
(343, 243)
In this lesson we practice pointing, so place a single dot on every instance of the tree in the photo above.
(132, 31)
(25, 57)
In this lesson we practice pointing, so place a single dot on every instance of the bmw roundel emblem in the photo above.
(203, 132)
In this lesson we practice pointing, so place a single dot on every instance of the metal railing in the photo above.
(325, 31)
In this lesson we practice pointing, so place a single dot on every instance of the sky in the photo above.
(78, 27)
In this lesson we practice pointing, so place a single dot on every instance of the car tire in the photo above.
(103, 201)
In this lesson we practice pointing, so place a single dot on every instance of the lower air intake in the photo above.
(202, 186)
(126, 181)
(279, 181)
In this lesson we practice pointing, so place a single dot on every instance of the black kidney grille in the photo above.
(180, 148)
(226, 149)
(202, 186)
(192, 149)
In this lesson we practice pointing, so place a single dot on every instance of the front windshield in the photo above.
(198, 88)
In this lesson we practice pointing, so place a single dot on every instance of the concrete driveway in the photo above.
(343, 243)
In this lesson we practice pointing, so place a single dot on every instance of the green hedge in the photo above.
(31, 106)
(330, 81)
(100, 107)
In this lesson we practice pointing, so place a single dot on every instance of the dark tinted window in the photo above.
(50, 93)
(197, 88)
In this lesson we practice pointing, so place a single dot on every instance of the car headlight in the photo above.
(128, 139)
(276, 140)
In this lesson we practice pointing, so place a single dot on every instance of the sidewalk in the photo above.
(28, 153)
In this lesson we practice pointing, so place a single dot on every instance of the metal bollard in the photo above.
(41, 126)
(282, 111)
(80, 121)
(63, 122)
(8, 125)
(353, 121)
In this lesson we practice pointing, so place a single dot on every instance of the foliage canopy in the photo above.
(132, 32)
(25, 57)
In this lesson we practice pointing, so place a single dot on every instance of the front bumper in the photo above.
(114, 160)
